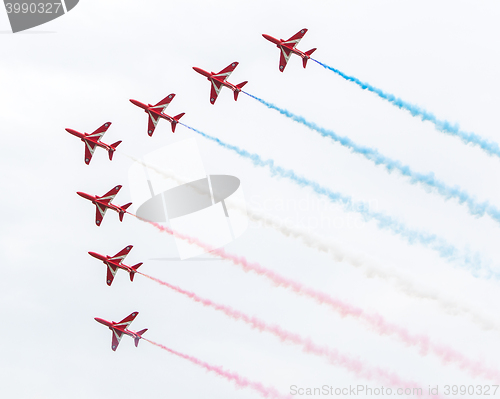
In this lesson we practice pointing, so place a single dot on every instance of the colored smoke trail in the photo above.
(241, 382)
(333, 356)
(473, 262)
(474, 207)
(376, 322)
(370, 268)
(444, 126)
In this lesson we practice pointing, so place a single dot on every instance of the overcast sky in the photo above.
(81, 69)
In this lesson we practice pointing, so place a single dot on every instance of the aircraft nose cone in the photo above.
(101, 321)
(84, 195)
(199, 70)
(73, 132)
(95, 255)
(270, 38)
(138, 103)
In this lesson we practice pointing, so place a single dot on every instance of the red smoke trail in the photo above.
(353, 365)
(374, 320)
(230, 376)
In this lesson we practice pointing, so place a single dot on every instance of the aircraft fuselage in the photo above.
(112, 326)
(106, 259)
(289, 46)
(151, 109)
(97, 200)
(84, 137)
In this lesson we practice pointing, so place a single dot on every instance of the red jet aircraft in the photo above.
(104, 202)
(121, 328)
(93, 140)
(220, 79)
(115, 262)
(155, 112)
(287, 47)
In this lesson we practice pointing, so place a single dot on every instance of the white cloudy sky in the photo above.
(80, 70)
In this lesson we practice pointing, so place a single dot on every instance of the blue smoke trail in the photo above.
(489, 147)
(472, 263)
(475, 208)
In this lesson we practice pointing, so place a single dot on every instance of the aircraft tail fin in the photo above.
(139, 333)
(124, 209)
(112, 149)
(176, 120)
(308, 54)
(239, 86)
(134, 269)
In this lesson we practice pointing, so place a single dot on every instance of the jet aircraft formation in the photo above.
(155, 113)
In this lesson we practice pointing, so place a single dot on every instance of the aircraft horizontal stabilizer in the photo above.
(112, 149)
(139, 333)
(134, 269)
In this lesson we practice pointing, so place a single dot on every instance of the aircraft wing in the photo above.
(100, 211)
(115, 340)
(127, 320)
(110, 195)
(122, 254)
(111, 273)
(284, 57)
(215, 90)
(160, 107)
(152, 122)
(224, 74)
(97, 134)
(295, 39)
(89, 151)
